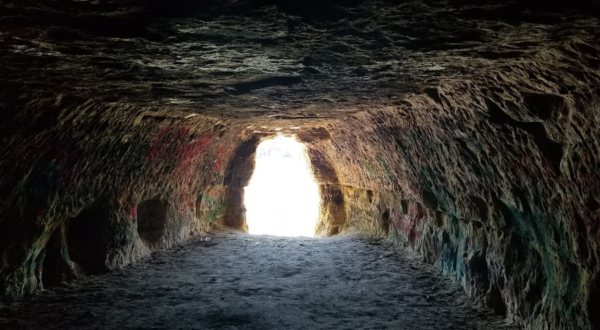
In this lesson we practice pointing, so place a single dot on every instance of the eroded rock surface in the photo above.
(467, 131)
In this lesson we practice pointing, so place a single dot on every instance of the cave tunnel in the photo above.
(449, 151)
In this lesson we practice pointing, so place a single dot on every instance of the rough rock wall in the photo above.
(237, 177)
(90, 187)
(333, 216)
(495, 180)
(87, 187)
(491, 174)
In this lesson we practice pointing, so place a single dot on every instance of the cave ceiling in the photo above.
(258, 59)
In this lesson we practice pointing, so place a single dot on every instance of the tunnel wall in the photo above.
(493, 180)
(237, 177)
(88, 187)
(332, 214)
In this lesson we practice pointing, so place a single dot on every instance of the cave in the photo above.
(449, 151)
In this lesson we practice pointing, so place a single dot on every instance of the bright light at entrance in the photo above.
(282, 197)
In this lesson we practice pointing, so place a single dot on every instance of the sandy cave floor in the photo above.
(238, 281)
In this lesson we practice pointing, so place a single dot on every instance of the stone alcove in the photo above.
(152, 219)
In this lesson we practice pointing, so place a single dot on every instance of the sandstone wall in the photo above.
(495, 181)
(89, 187)
(466, 131)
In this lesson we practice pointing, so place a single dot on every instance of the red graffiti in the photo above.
(134, 211)
(186, 200)
(411, 223)
(36, 212)
(222, 155)
(176, 150)
(190, 152)
(67, 174)
(395, 217)
(159, 146)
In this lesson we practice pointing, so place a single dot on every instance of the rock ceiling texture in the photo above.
(467, 131)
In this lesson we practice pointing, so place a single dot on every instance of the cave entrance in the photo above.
(282, 197)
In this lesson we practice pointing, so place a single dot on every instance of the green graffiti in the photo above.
(216, 207)
(369, 166)
(386, 170)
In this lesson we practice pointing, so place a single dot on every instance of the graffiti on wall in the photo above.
(216, 208)
(134, 211)
(408, 221)
(369, 166)
(66, 170)
(177, 150)
(212, 204)
(223, 154)
(386, 171)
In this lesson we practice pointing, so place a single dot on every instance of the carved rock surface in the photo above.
(467, 131)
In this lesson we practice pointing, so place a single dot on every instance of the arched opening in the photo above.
(282, 197)
(88, 236)
(51, 272)
(151, 219)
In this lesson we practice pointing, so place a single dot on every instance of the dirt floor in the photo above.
(238, 281)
